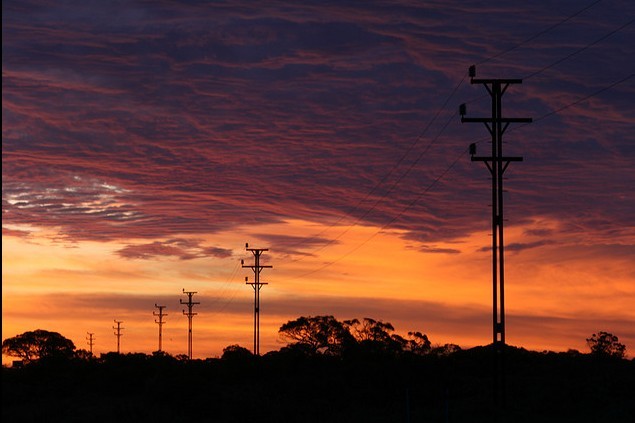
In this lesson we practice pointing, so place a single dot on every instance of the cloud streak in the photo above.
(318, 103)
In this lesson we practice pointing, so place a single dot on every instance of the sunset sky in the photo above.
(145, 142)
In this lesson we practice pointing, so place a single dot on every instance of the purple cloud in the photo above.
(315, 113)
(181, 248)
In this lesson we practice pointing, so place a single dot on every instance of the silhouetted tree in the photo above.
(320, 334)
(375, 336)
(419, 343)
(34, 345)
(605, 344)
(369, 329)
(84, 355)
(235, 352)
(445, 349)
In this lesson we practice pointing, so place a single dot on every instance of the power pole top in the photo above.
(256, 284)
(496, 81)
(189, 315)
(118, 334)
(160, 322)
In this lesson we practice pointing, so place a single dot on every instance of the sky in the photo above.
(145, 142)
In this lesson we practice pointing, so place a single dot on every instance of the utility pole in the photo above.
(160, 323)
(189, 315)
(90, 340)
(118, 334)
(496, 163)
(256, 284)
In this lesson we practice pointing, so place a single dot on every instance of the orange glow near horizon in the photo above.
(83, 287)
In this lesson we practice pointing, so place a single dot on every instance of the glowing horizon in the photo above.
(439, 294)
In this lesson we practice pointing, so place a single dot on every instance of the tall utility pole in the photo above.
(160, 323)
(118, 334)
(497, 163)
(256, 284)
(90, 340)
(189, 315)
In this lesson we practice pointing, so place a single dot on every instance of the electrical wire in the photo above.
(538, 34)
(425, 130)
(440, 177)
(399, 179)
(447, 170)
(580, 50)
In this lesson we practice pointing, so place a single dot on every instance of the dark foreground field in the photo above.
(540, 387)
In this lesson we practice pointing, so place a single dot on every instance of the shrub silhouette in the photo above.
(606, 345)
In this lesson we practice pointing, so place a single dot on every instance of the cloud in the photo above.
(183, 249)
(521, 246)
(295, 245)
(438, 250)
(15, 232)
(277, 113)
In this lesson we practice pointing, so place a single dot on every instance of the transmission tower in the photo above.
(256, 284)
(189, 315)
(90, 340)
(160, 323)
(118, 334)
(496, 163)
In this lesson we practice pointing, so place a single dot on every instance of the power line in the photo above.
(586, 97)
(573, 103)
(392, 187)
(538, 34)
(226, 284)
(566, 57)
(232, 294)
(449, 168)
(589, 45)
(411, 147)
(385, 178)
(393, 220)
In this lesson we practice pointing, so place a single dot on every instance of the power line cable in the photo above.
(233, 292)
(439, 110)
(227, 283)
(570, 55)
(605, 36)
(580, 100)
(538, 34)
(447, 170)
(393, 220)
(399, 179)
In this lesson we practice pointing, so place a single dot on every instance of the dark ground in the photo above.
(540, 387)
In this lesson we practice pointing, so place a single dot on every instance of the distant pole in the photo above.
(496, 164)
(160, 323)
(90, 340)
(118, 334)
(256, 284)
(189, 315)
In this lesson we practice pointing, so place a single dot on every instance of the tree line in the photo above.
(321, 335)
(333, 371)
